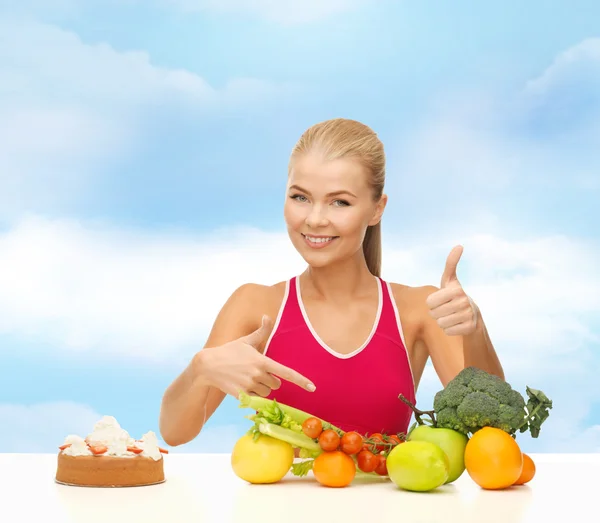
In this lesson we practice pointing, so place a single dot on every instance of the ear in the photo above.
(379, 208)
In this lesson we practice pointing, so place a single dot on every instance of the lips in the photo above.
(317, 242)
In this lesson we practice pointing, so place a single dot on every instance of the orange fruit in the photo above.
(493, 459)
(528, 471)
(334, 469)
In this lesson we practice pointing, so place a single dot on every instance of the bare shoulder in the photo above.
(411, 303)
(412, 300)
(243, 311)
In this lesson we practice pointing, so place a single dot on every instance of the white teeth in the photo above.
(319, 240)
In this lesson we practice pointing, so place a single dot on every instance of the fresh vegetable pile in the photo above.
(323, 447)
(473, 426)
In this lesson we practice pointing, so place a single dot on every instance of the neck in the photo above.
(339, 281)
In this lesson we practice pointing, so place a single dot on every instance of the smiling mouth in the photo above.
(318, 240)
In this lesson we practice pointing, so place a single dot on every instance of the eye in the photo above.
(343, 203)
(298, 197)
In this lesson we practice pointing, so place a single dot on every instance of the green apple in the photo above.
(418, 466)
(453, 443)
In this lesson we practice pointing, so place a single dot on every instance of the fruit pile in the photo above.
(472, 427)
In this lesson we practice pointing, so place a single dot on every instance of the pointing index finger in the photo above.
(289, 375)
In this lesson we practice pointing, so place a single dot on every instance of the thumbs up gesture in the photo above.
(450, 306)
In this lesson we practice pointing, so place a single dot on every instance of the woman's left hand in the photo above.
(450, 306)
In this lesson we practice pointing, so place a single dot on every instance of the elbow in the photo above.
(173, 436)
(167, 436)
(168, 431)
(172, 441)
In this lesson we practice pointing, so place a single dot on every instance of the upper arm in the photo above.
(446, 352)
(240, 315)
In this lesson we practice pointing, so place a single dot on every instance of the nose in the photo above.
(316, 217)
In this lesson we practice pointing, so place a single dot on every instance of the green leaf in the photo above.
(538, 410)
(302, 468)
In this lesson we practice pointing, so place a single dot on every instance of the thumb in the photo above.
(255, 338)
(451, 264)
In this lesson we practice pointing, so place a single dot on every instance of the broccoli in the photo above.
(475, 399)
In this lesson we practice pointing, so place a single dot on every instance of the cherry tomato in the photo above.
(352, 442)
(329, 440)
(312, 427)
(367, 461)
(381, 467)
(395, 440)
(375, 439)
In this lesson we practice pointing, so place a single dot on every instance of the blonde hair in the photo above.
(344, 138)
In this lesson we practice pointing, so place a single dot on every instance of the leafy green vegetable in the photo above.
(279, 413)
(475, 399)
(302, 468)
(294, 438)
(538, 410)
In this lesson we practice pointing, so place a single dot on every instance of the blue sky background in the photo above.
(144, 154)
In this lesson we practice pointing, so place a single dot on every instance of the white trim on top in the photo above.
(318, 338)
(401, 331)
(279, 315)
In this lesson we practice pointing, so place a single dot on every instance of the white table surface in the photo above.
(202, 488)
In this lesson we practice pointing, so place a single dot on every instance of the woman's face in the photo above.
(328, 207)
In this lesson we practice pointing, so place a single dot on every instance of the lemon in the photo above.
(266, 460)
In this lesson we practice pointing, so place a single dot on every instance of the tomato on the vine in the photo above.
(367, 461)
(352, 442)
(329, 440)
(375, 441)
(312, 427)
(395, 440)
(381, 467)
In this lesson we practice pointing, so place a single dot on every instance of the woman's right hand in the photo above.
(238, 366)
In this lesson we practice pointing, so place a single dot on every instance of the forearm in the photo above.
(183, 407)
(479, 351)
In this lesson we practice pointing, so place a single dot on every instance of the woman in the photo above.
(344, 343)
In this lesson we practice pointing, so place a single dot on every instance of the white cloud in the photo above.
(119, 294)
(538, 293)
(95, 288)
(116, 292)
(42, 427)
(68, 108)
(287, 12)
(96, 72)
(576, 67)
(92, 288)
(280, 11)
(215, 439)
(489, 143)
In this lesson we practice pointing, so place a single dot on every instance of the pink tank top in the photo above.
(357, 391)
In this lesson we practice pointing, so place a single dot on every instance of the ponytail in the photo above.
(372, 248)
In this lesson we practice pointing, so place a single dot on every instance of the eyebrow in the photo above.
(334, 193)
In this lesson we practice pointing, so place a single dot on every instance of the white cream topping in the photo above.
(77, 446)
(107, 432)
(149, 443)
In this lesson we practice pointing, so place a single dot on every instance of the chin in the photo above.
(316, 258)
